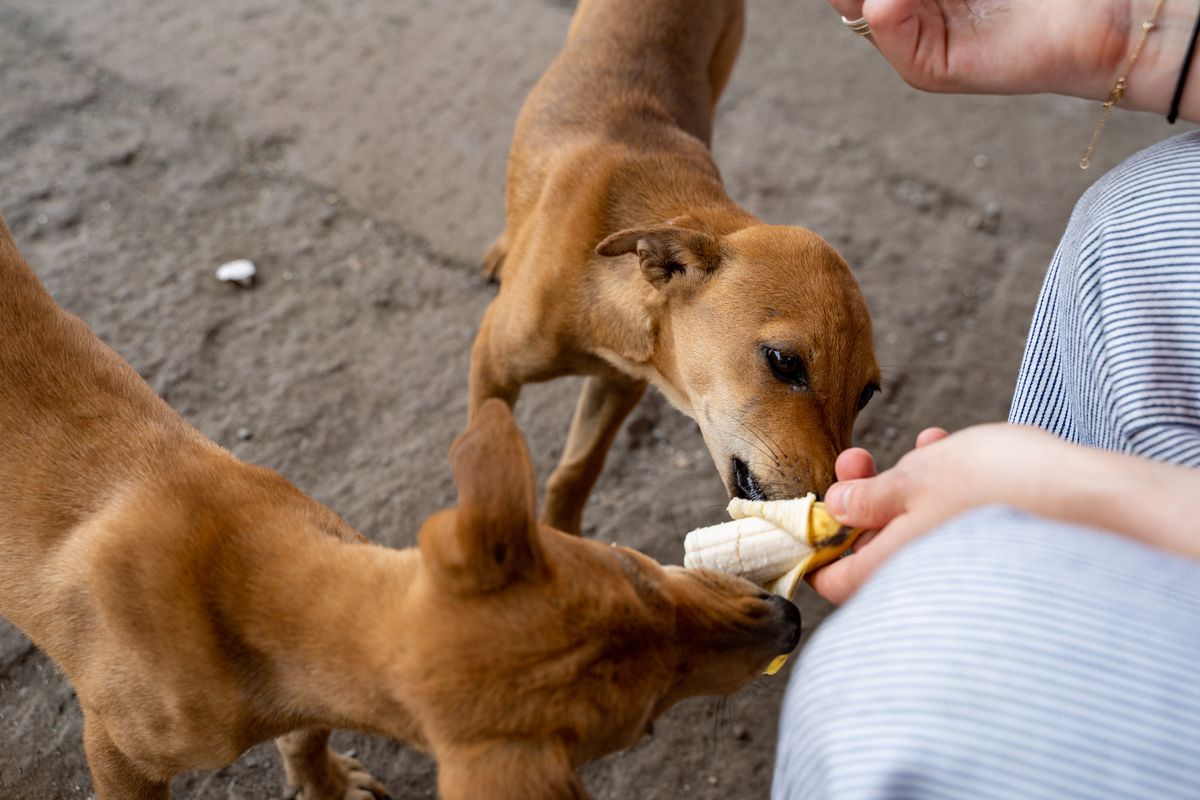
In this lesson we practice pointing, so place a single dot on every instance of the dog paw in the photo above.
(340, 777)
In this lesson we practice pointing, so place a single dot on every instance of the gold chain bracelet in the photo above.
(1118, 91)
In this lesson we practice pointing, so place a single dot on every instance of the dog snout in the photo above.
(789, 620)
(817, 479)
(773, 484)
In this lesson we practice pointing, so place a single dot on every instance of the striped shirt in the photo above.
(1113, 356)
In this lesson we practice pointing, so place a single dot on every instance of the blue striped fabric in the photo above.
(1003, 657)
(1011, 657)
(1113, 357)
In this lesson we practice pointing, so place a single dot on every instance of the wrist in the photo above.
(1098, 493)
(1160, 504)
(1145, 500)
(1151, 82)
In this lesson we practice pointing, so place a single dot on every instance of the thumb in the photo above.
(930, 436)
(867, 503)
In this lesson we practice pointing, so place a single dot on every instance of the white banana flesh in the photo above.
(753, 548)
(773, 543)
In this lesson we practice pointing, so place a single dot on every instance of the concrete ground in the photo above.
(355, 151)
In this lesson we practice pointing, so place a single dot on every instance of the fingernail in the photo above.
(837, 498)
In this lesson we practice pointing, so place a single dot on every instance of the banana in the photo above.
(773, 543)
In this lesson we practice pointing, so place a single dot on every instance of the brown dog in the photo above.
(623, 260)
(200, 604)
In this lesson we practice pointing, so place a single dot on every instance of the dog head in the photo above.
(764, 338)
(540, 651)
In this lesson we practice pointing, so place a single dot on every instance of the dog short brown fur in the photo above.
(199, 604)
(623, 260)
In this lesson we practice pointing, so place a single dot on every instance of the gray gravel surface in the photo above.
(355, 152)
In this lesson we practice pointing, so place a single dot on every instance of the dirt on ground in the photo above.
(355, 152)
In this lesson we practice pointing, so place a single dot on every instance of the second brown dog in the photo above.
(624, 260)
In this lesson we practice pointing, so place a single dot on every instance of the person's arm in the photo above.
(1025, 468)
(1070, 47)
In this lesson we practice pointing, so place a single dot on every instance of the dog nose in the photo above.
(790, 615)
(745, 485)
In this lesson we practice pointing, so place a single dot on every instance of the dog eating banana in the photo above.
(773, 543)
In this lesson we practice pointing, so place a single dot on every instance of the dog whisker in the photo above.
(757, 447)
(763, 446)
(766, 439)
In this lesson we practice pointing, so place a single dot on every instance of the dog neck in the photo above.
(696, 198)
(331, 620)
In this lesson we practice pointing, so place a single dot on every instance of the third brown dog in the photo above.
(624, 260)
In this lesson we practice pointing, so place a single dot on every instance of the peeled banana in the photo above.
(773, 543)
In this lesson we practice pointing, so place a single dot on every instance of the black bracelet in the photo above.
(1173, 114)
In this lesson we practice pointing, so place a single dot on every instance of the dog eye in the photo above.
(866, 395)
(788, 367)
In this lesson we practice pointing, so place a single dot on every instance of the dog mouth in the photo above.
(745, 485)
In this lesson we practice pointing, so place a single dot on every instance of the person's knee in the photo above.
(872, 690)
(979, 656)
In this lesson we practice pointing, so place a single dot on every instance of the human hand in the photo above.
(943, 477)
(1072, 47)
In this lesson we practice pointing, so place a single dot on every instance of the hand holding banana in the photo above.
(773, 543)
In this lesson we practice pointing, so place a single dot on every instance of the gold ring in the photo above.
(859, 25)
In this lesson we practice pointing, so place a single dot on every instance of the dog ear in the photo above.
(493, 540)
(671, 257)
(509, 771)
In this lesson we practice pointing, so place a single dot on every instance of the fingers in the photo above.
(931, 435)
(836, 582)
(913, 35)
(850, 9)
(853, 464)
(867, 502)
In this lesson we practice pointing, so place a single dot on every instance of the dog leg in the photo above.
(493, 257)
(314, 772)
(518, 771)
(604, 404)
(114, 776)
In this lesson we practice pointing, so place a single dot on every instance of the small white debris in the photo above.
(241, 272)
(244, 434)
